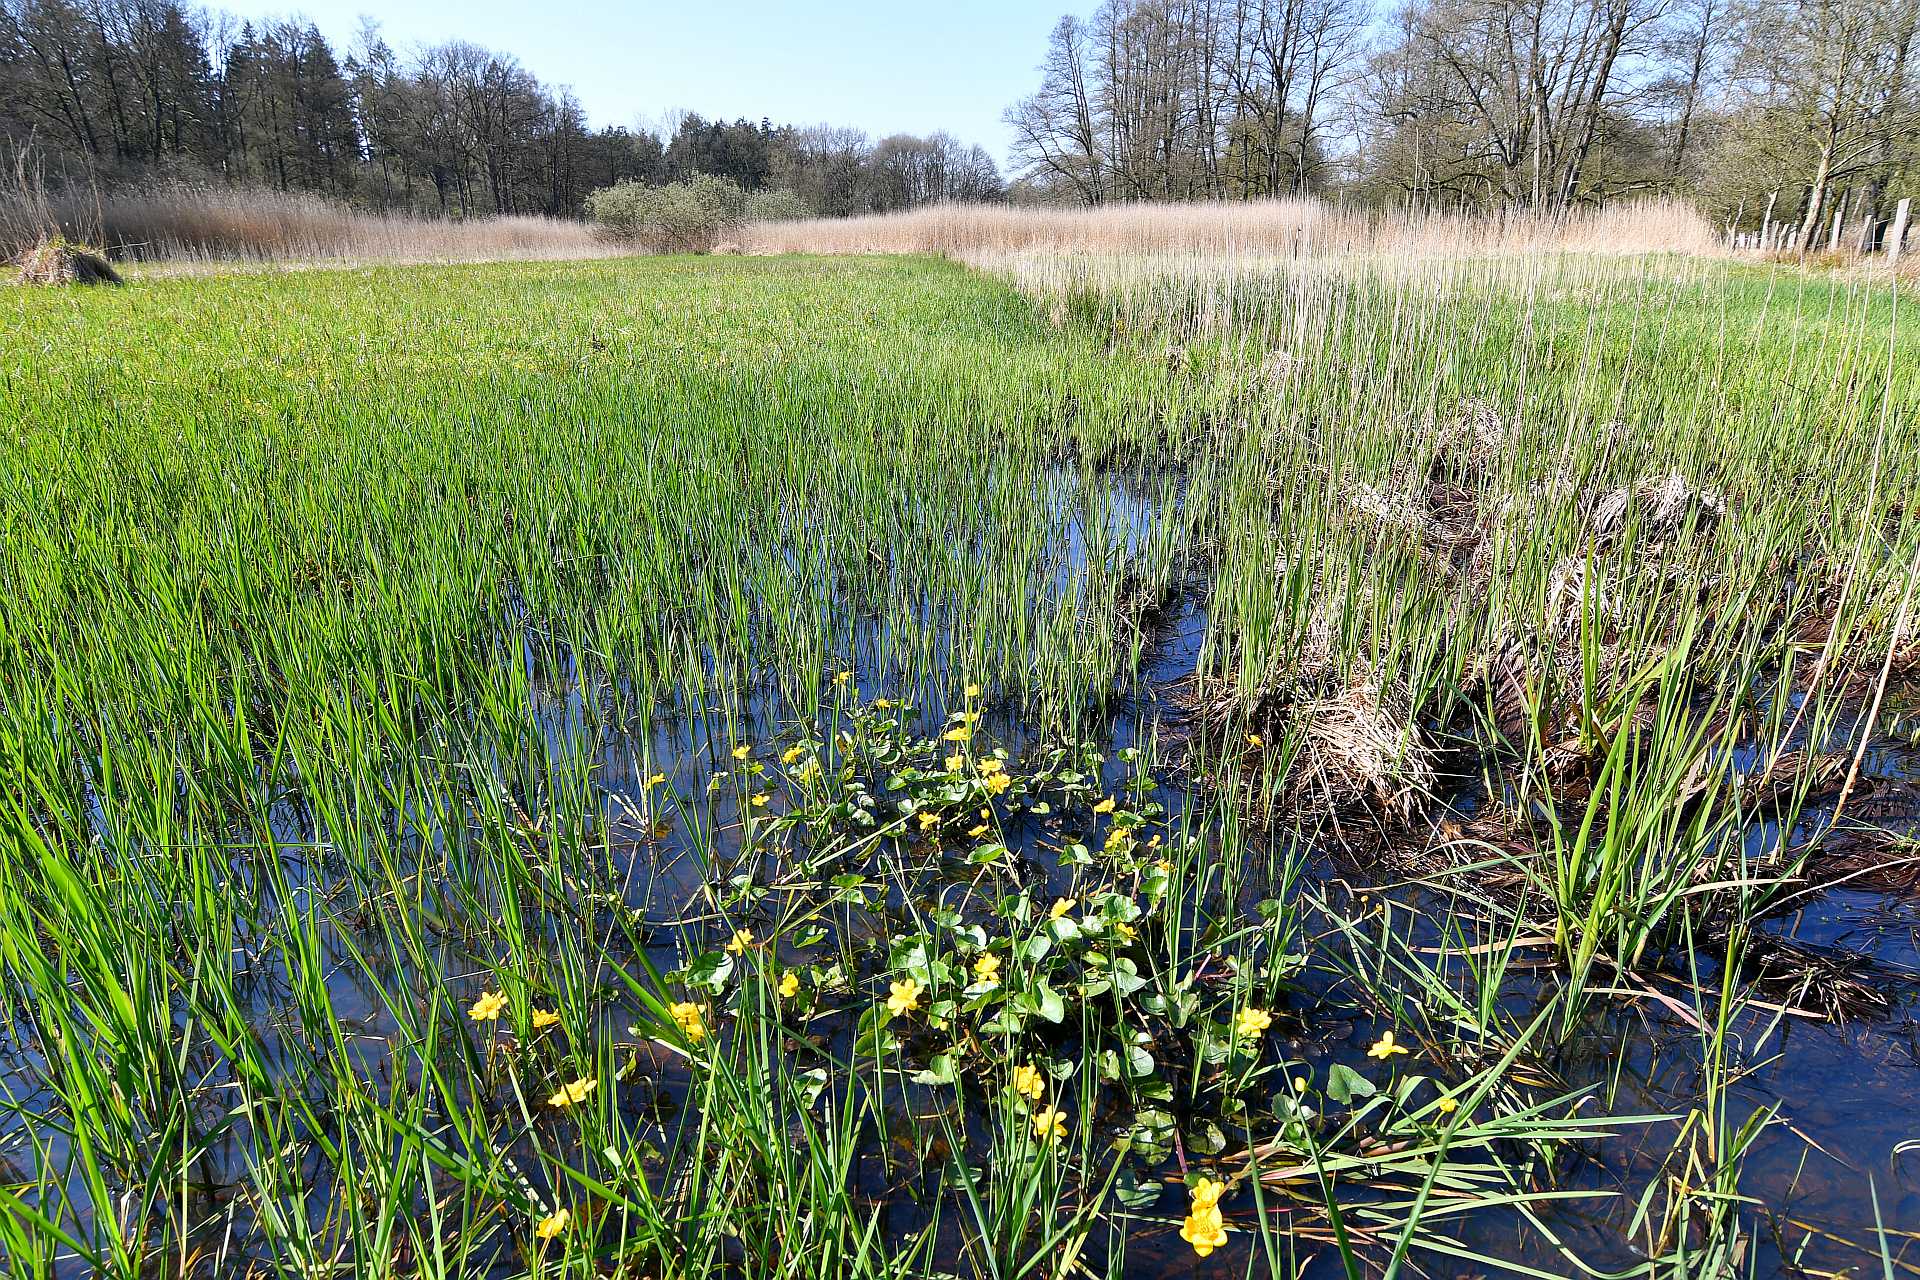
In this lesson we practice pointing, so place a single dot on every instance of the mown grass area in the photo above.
(691, 767)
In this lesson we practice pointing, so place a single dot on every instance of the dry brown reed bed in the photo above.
(1296, 226)
(195, 225)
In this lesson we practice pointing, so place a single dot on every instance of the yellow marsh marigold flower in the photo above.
(843, 677)
(989, 765)
(789, 985)
(987, 967)
(1060, 907)
(742, 939)
(760, 800)
(488, 1007)
(882, 704)
(742, 751)
(1207, 1192)
(543, 1019)
(1255, 740)
(959, 733)
(1105, 806)
(553, 1224)
(974, 833)
(1028, 1082)
(1205, 1230)
(1125, 930)
(973, 690)
(1252, 1022)
(687, 1014)
(570, 1094)
(1448, 1104)
(903, 997)
(996, 783)
(955, 763)
(928, 819)
(1049, 1124)
(656, 779)
(791, 754)
(1384, 1047)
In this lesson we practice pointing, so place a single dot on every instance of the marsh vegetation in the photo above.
(1095, 764)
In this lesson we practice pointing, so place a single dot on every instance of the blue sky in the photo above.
(883, 65)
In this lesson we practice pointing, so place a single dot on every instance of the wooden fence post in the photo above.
(1898, 231)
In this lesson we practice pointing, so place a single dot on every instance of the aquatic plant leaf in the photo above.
(1344, 1084)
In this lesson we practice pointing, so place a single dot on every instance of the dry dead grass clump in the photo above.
(1292, 227)
(1530, 677)
(1362, 744)
(1357, 747)
(1668, 505)
(57, 261)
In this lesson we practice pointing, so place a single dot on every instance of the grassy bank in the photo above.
(867, 767)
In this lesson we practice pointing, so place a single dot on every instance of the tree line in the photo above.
(1797, 109)
(121, 92)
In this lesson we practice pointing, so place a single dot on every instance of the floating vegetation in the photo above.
(863, 767)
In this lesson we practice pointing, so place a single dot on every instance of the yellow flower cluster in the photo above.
(489, 1006)
(1028, 1082)
(1252, 1022)
(687, 1014)
(1205, 1228)
(572, 1094)
(903, 996)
